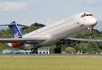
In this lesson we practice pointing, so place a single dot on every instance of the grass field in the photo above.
(50, 63)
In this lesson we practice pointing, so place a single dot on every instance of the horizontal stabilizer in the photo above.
(7, 24)
(23, 25)
(14, 24)
(14, 29)
(17, 25)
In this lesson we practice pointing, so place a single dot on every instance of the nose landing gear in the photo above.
(90, 32)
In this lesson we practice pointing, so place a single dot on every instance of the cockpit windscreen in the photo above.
(89, 15)
(86, 15)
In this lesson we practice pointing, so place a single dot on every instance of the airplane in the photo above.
(55, 33)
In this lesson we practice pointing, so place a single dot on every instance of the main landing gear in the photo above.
(34, 50)
(58, 49)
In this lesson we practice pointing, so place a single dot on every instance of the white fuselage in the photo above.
(64, 28)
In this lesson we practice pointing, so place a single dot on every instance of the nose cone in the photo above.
(91, 21)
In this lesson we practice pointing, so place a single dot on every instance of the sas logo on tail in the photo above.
(16, 35)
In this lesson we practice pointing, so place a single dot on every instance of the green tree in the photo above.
(69, 50)
(82, 47)
(93, 48)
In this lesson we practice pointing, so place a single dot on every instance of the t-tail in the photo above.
(14, 30)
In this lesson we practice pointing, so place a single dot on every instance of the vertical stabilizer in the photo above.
(14, 30)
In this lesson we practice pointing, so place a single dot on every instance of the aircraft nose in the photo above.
(92, 21)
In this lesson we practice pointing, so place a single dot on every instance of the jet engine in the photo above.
(13, 45)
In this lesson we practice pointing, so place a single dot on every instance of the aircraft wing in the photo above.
(23, 40)
(75, 40)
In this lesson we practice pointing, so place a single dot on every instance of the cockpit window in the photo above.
(89, 15)
(83, 15)
(86, 15)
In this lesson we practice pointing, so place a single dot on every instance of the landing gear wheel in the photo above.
(90, 33)
(34, 50)
(57, 50)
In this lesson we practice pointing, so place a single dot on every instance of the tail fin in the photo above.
(14, 30)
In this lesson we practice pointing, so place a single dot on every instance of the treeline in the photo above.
(68, 48)
(33, 27)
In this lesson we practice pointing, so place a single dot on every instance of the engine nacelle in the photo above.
(9, 45)
(21, 46)
(13, 45)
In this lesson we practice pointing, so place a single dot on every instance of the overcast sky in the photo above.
(46, 11)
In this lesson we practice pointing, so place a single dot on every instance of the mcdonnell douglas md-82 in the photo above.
(56, 33)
